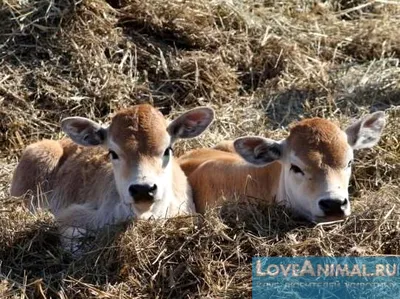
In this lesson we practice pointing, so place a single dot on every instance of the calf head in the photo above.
(316, 161)
(139, 141)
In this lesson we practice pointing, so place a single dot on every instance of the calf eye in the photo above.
(168, 151)
(167, 156)
(113, 155)
(350, 163)
(296, 169)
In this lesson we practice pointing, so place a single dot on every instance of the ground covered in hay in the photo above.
(260, 64)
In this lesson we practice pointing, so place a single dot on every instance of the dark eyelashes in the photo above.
(296, 169)
(113, 155)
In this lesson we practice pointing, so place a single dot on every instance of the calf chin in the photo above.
(330, 218)
(142, 205)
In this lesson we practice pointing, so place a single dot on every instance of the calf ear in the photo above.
(191, 123)
(259, 150)
(367, 131)
(84, 131)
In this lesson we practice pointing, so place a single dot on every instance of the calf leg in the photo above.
(75, 223)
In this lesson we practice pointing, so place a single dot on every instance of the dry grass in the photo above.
(260, 64)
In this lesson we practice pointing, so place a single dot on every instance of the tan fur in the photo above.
(45, 155)
(213, 173)
(319, 142)
(139, 130)
(225, 146)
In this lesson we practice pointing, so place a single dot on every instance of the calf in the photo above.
(309, 171)
(105, 175)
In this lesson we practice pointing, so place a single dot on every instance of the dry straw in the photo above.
(260, 64)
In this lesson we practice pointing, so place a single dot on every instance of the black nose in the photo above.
(144, 190)
(333, 206)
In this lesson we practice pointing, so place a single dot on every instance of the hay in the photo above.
(261, 65)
